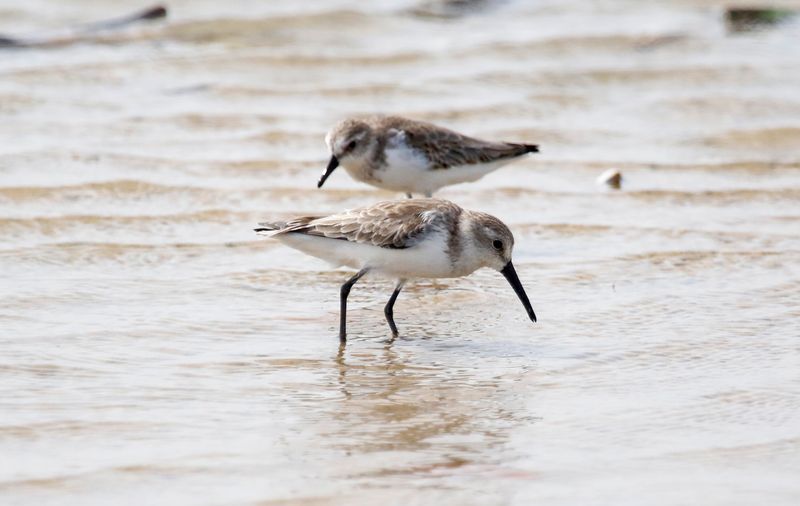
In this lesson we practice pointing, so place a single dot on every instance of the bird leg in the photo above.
(343, 311)
(408, 195)
(388, 311)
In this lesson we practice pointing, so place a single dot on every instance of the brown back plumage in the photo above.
(446, 148)
(391, 224)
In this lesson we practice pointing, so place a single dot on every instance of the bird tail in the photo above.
(272, 228)
(269, 228)
(515, 149)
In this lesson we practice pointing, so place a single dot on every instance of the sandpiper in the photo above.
(403, 239)
(401, 154)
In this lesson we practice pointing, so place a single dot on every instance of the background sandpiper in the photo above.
(402, 239)
(411, 156)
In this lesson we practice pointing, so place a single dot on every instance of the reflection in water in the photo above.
(395, 405)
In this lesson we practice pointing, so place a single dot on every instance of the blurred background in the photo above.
(155, 352)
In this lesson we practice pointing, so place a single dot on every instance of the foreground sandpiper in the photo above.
(403, 239)
(411, 156)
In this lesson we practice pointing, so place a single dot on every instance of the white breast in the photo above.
(405, 167)
(427, 259)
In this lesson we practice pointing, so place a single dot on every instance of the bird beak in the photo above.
(331, 167)
(513, 280)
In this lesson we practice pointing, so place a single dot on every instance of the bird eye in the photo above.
(498, 245)
(350, 145)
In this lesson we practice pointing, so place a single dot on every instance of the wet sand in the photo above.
(156, 352)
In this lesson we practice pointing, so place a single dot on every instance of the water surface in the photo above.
(154, 351)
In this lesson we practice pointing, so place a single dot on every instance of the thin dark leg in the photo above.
(389, 309)
(408, 195)
(343, 311)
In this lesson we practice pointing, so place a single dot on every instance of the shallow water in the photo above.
(155, 352)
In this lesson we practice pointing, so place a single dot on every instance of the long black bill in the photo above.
(513, 280)
(331, 167)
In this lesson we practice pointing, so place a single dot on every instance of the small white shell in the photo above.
(611, 178)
